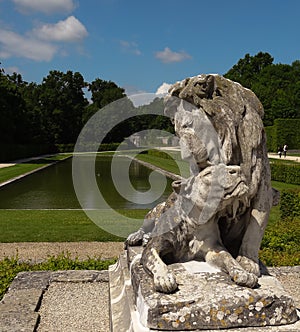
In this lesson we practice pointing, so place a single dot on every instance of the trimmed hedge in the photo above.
(290, 203)
(280, 245)
(284, 172)
(284, 131)
(92, 147)
(108, 146)
(10, 152)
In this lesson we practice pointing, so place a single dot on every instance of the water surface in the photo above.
(52, 188)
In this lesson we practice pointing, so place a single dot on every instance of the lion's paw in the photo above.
(165, 283)
(243, 278)
(135, 238)
(249, 265)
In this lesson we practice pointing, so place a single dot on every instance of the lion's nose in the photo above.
(176, 185)
(234, 170)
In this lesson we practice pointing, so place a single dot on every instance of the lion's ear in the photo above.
(217, 93)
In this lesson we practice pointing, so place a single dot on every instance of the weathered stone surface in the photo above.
(206, 297)
(210, 300)
(20, 306)
(122, 311)
(18, 321)
(220, 212)
(75, 276)
(27, 280)
(218, 215)
(21, 300)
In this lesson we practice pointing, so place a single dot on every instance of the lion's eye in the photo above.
(187, 124)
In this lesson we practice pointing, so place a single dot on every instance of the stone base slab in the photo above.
(206, 300)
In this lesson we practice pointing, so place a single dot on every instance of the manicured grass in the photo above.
(8, 173)
(169, 165)
(282, 185)
(284, 161)
(60, 226)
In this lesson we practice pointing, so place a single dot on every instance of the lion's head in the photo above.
(218, 121)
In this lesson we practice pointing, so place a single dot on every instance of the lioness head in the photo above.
(211, 191)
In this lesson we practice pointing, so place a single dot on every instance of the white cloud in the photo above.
(168, 56)
(69, 30)
(11, 70)
(163, 89)
(13, 44)
(132, 90)
(130, 47)
(45, 6)
(142, 98)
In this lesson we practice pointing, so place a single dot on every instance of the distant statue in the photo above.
(220, 213)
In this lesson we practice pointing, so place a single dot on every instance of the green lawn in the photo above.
(8, 173)
(170, 165)
(59, 226)
(75, 225)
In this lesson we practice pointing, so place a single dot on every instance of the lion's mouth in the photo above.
(240, 189)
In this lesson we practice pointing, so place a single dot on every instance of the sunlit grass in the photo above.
(11, 172)
(63, 225)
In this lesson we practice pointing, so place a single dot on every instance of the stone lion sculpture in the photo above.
(220, 122)
(183, 235)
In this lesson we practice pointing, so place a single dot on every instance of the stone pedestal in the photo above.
(206, 299)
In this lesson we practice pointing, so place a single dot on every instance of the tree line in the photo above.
(54, 111)
(276, 85)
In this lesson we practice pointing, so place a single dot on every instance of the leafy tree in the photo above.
(276, 85)
(11, 109)
(105, 92)
(62, 103)
(248, 68)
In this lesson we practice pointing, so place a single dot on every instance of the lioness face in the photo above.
(199, 142)
(213, 189)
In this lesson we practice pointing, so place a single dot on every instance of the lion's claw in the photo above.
(249, 265)
(135, 238)
(165, 283)
(243, 278)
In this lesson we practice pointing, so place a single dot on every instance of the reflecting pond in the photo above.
(52, 188)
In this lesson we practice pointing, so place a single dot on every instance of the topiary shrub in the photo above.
(290, 203)
(284, 172)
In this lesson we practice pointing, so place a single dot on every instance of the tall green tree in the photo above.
(276, 85)
(247, 69)
(103, 93)
(62, 104)
(12, 116)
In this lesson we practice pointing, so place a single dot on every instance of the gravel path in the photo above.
(38, 251)
(73, 307)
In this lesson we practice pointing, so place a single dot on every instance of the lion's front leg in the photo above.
(248, 253)
(164, 280)
(228, 264)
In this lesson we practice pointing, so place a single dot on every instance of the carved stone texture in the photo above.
(219, 121)
(220, 127)
(217, 216)
(207, 299)
(189, 229)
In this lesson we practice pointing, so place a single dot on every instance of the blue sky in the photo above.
(141, 44)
